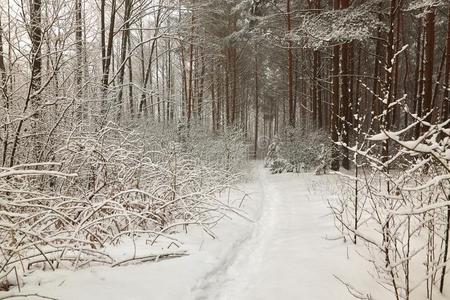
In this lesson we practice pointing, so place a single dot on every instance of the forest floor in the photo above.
(289, 250)
(293, 251)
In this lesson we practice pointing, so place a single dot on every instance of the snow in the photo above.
(355, 23)
(382, 136)
(420, 4)
(166, 279)
(288, 255)
(291, 251)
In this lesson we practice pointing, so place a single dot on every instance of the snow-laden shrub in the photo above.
(226, 150)
(102, 187)
(299, 151)
(281, 165)
(399, 208)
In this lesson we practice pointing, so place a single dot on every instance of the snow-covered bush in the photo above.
(104, 186)
(299, 151)
(399, 209)
(225, 150)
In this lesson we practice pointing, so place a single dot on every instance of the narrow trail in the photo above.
(286, 255)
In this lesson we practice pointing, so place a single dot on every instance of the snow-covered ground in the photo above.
(292, 252)
(289, 251)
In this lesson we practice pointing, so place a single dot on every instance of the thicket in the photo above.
(104, 186)
(398, 207)
(297, 150)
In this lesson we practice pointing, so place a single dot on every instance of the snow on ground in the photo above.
(288, 252)
(291, 253)
(166, 279)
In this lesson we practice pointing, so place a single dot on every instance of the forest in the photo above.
(137, 124)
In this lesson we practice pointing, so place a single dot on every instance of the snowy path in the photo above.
(287, 256)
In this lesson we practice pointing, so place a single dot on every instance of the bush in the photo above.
(298, 151)
(108, 185)
(398, 208)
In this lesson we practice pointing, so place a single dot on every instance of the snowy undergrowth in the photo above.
(104, 188)
(401, 215)
(299, 151)
(166, 279)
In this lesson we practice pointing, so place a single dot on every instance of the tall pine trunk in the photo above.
(428, 67)
(346, 101)
(335, 101)
(290, 67)
(445, 101)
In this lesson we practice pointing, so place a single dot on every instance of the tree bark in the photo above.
(79, 55)
(376, 111)
(335, 103)
(191, 65)
(36, 71)
(4, 101)
(346, 101)
(417, 69)
(386, 116)
(445, 101)
(123, 53)
(130, 79)
(148, 72)
(290, 68)
(256, 102)
(428, 67)
(107, 48)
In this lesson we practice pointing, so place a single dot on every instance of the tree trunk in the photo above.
(36, 71)
(143, 102)
(123, 54)
(4, 102)
(335, 102)
(290, 68)
(201, 86)
(346, 98)
(445, 101)
(191, 66)
(314, 88)
(386, 117)
(417, 69)
(79, 55)
(419, 101)
(107, 49)
(158, 92)
(428, 67)
(227, 87)
(213, 100)
(375, 87)
(319, 79)
(130, 79)
(256, 102)
(396, 110)
(148, 73)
